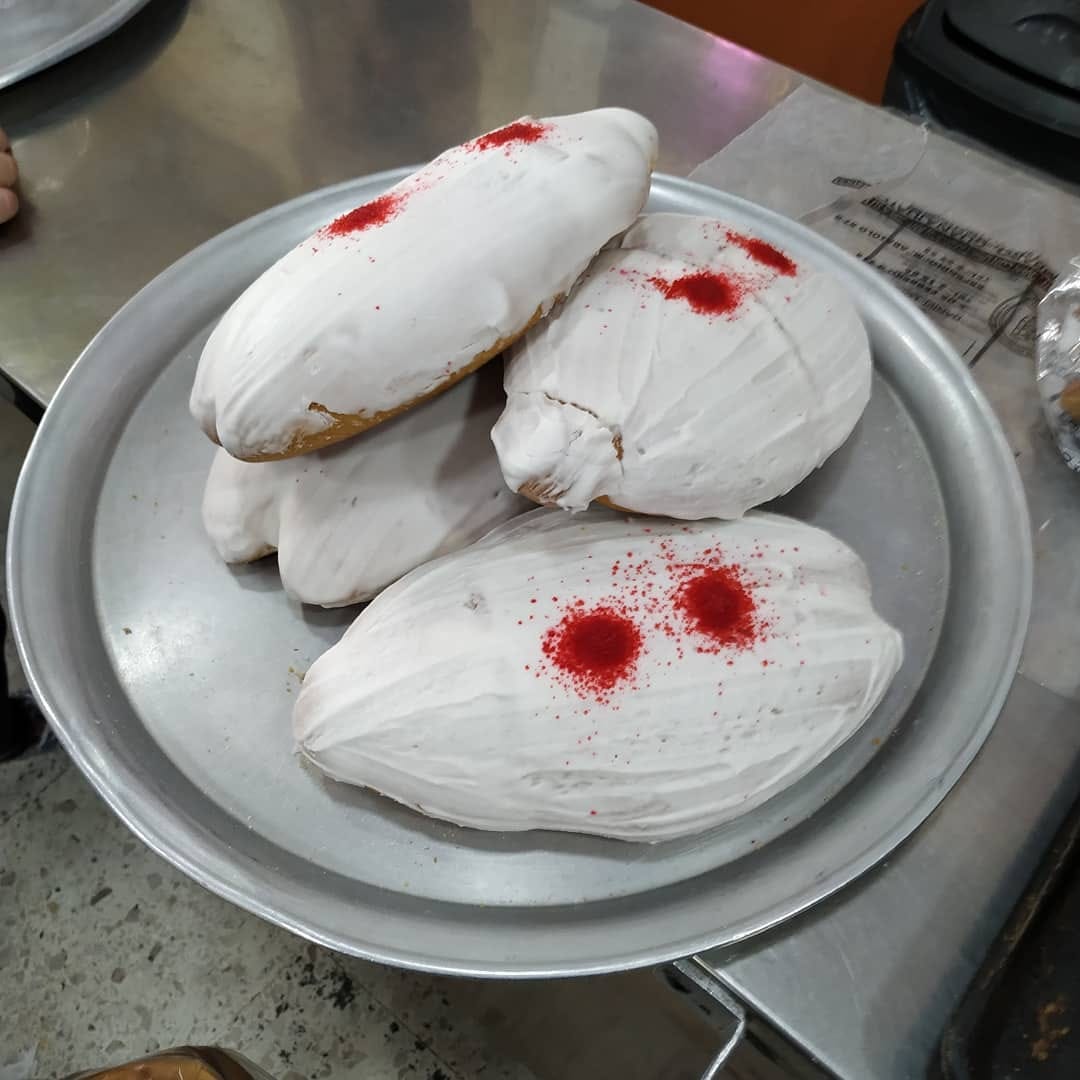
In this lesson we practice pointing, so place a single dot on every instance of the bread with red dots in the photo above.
(625, 676)
(696, 371)
(394, 301)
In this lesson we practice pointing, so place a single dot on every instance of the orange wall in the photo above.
(846, 43)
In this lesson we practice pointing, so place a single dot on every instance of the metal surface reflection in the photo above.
(193, 117)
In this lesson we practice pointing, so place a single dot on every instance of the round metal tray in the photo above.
(40, 33)
(170, 678)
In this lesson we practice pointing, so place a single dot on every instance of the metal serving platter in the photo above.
(35, 34)
(170, 678)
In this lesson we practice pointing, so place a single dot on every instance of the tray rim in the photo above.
(90, 33)
(242, 885)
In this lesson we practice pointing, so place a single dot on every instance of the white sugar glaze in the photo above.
(348, 520)
(389, 303)
(449, 693)
(631, 392)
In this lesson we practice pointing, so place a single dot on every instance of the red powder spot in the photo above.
(377, 212)
(595, 649)
(718, 604)
(592, 813)
(764, 253)
(708, 292)
(521, 131)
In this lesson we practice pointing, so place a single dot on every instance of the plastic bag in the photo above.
(183, 1063)
(1058, 361)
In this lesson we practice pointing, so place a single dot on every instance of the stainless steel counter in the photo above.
(196, 115)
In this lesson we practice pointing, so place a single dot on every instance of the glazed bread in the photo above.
(348, 520)
(696, 371)
(396, 300)
(637, 678)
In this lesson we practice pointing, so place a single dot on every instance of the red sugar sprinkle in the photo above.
(597, 649)
(377, 212)
(764, 253)
(708, 292)
(521, 131)
(718, 604)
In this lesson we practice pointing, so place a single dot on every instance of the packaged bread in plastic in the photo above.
(1058, 361)
(182, 1063)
